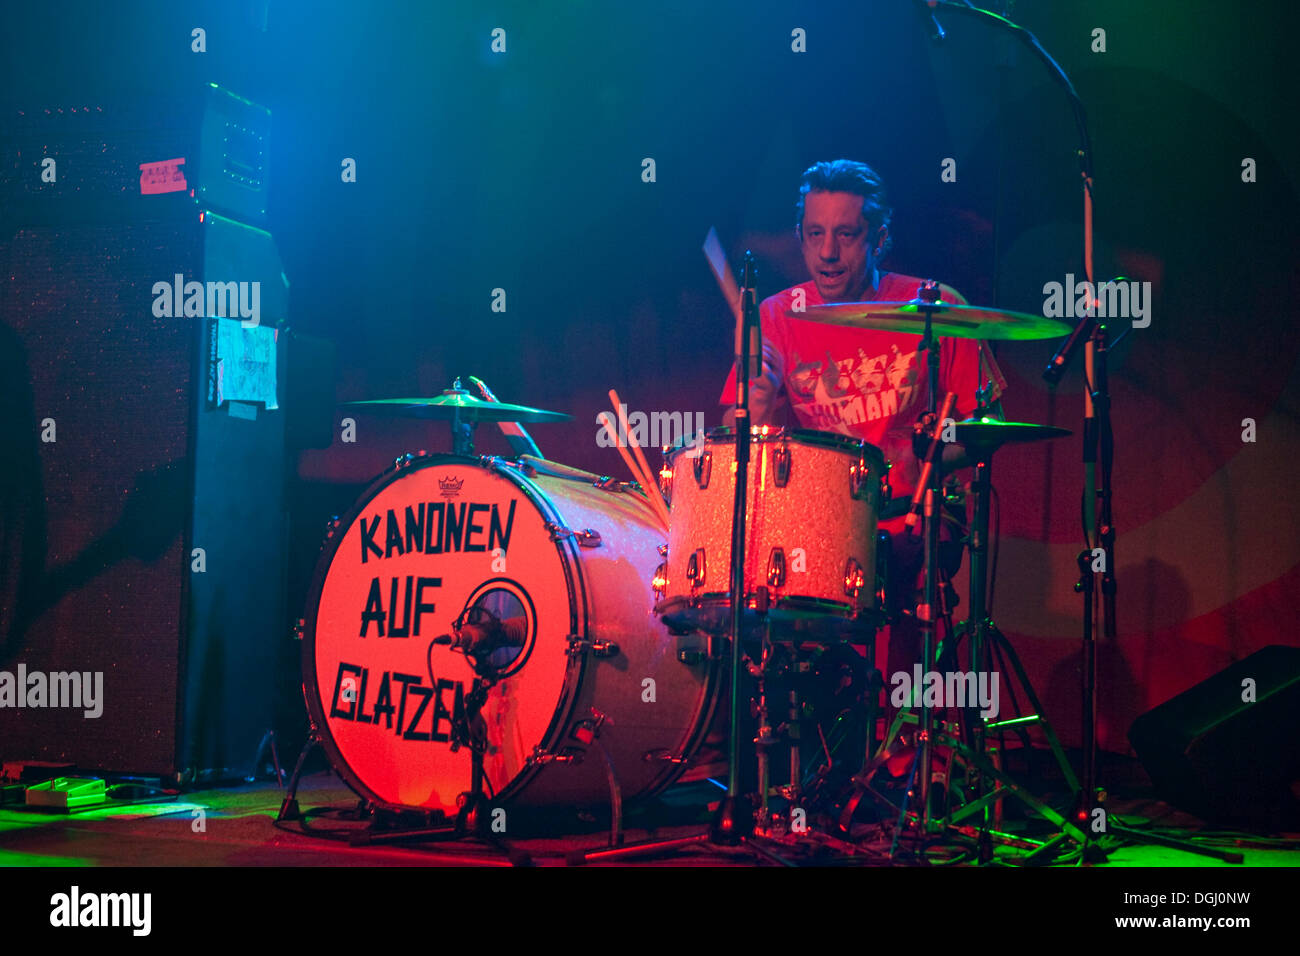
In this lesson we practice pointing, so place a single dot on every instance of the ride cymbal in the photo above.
(950, 320)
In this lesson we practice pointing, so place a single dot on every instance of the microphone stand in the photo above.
(1098, 463)
(735, 821)
(733, 824)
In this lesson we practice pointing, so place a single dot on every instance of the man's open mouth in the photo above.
(832, 274)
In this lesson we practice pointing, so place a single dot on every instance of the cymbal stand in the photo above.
(985, 639)
(928, 303)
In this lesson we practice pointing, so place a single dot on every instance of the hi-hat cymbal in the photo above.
(454, 403)
(991, 433)
(950, 320)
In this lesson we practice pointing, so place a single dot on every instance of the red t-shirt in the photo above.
(863, 383)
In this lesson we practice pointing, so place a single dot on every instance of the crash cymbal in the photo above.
(991, 433)
(950, 320)
(453, 403)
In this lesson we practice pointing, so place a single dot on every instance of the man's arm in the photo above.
(766, 396)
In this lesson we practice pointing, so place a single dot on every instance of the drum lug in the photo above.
(659, 583)
(858, 476)
(854, 578)
(781, 465)
(665, 756)
(666, 483)
(578, 645)
(300, 629)
(695, 569)
(776, 568)
(703, 466)
(403, 461)
(541, 756)
(586, 538)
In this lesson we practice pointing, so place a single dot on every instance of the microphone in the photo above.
(748, 324)
(1082, 332)
(927, 464)
(479, 640)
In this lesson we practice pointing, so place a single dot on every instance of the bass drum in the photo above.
(564, 560)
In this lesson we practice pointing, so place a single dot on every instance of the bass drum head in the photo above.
(425, 543)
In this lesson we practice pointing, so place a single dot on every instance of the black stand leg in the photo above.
(289, 809)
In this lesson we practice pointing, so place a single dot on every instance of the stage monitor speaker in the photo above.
(1228, 749)
(142, 486)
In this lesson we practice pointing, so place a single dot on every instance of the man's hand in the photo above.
(762, 399)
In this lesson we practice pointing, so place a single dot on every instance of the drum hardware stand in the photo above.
(987, 641)
(972, 751)
(471, 822)
(588, 732)
(927, 302)
(764, 740)
(289, 809)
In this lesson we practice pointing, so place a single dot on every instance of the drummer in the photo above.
(864, 383)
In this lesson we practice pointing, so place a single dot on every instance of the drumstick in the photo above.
(606, 419)
(913, 513)
(717, 257)
(646, 475)
(631, 440)
(632, 467)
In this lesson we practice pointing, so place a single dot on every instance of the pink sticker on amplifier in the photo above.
(162, 177)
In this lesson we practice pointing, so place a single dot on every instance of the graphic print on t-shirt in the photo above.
(834, 392)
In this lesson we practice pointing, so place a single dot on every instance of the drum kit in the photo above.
(486, 636)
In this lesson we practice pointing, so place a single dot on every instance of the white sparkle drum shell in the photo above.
(811, 516)
(441, 533)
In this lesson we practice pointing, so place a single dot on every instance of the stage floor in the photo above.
(235, 826)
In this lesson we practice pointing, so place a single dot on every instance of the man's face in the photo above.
(838, 245)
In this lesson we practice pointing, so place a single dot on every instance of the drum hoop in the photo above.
(574, 582)
(798, 436)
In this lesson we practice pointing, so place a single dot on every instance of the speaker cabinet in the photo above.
(1226, 758)
(141, 491)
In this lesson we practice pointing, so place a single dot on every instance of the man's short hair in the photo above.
(848, 176)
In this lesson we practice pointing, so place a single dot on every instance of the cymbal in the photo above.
(991, 433)
(950, 320)
(456, 402)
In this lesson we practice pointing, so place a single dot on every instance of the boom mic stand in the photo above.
(1098, 461)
